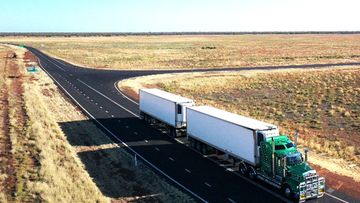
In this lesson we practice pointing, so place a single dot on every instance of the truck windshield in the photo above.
(294, 159)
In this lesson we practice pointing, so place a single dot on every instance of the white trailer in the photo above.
(164, 107)
(232, 134)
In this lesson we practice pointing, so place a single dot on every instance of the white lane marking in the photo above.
(96, 104)
(59, 61)
(112, 116)
(135, 133)
(53, 63)
(157, 149)
(101, 107)
(116, 87)
(106, 111)
(123, 143)
(187, 170)
(341, 200)
(231, 200)
(146, 141)
(109, 99)
(179, 141)
(171, 159)
(207, 184)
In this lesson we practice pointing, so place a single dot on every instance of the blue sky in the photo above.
(178, 15)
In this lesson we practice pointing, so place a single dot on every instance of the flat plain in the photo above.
(212, 51)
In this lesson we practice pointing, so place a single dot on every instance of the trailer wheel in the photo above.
(243, 168)
(252, 172)
(203, 149)
(198, 146)
(191, 142)
(172, 132)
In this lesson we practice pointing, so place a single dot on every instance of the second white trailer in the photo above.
(165, 107)
(230, 133)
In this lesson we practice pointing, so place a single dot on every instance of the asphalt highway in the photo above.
(94, 92)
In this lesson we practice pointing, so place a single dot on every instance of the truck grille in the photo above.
(314, 186)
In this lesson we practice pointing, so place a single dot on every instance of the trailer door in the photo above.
(181, 113)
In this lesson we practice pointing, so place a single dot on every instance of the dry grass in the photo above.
(4, 138)
(321, 104)
(46, 167)
(159, 52)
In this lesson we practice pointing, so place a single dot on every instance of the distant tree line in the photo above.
(108, 34)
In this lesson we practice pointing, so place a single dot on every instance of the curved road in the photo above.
(95, 93)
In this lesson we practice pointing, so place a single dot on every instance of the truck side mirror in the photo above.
(306, 150)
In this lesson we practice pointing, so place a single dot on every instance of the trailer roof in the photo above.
(233, 118)
(167, 95)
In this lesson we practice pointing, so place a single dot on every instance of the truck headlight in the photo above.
(302, 196)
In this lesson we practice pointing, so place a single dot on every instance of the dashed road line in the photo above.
(207, 184)
(171, 159)
(134, 114)
(187, 170)
(157, 149)
(231, 200)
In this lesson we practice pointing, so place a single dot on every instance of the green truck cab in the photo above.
(283, 166)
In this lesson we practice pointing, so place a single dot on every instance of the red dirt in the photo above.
(131, 93)
(343, 184)
(7, 162)
(29, 57)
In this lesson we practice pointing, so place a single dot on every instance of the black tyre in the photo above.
(252, 172)
(243, 169)
(286, 189)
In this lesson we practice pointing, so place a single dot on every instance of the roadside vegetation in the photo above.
(51, 152)
(164, 52)
(322, 105)
(37, 163)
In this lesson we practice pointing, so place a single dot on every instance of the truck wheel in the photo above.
(252, 172)
(243, 168)
(287, 191)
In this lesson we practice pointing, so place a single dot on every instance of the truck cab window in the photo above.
(179, 109)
